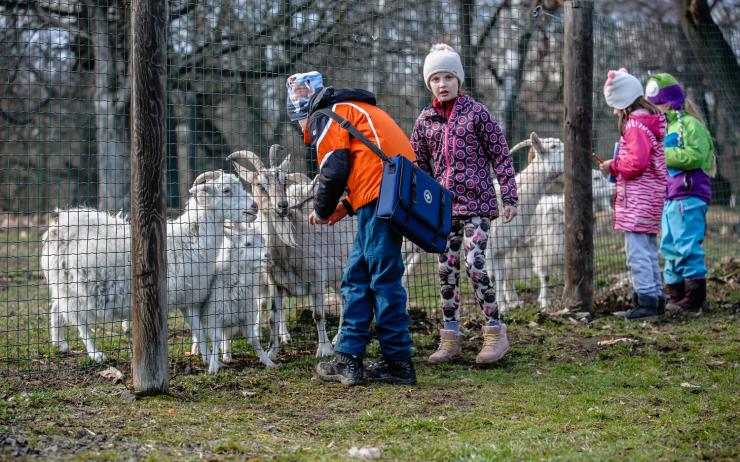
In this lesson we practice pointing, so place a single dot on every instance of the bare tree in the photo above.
(718, 64)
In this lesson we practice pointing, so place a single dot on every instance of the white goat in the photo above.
(86, 259)
(235, 295)
(548, 231)
(305, 260)
(547, 162)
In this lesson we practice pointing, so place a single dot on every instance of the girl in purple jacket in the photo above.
(458, 142)
(639, 168)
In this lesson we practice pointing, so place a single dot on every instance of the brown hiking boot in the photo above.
(495, 344)
(450, 347)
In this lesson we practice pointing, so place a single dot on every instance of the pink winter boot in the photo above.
(495, 344)
(450, 347)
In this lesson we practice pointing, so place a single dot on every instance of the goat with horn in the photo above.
(304, 260)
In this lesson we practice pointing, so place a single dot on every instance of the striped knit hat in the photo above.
(665, 89)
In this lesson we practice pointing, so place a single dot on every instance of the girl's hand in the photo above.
(604, 167)
(509, 213)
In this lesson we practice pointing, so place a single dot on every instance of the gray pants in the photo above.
(642, 260)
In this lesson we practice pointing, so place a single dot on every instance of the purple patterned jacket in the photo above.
(459, 150)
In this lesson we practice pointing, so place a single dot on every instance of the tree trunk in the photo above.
(149, 196)
(466, 8)
(578, 139)
(110, 116)
(515, 82)
(719, 67)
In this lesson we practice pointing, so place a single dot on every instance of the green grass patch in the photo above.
(670, 395)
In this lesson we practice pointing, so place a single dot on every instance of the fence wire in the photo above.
(64, 143)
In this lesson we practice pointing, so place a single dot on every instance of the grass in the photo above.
(560, 395)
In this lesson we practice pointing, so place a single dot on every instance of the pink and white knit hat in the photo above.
(621, 89)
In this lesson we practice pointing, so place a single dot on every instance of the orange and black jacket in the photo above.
(345, 163)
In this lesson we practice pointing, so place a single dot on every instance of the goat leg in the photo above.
(274, 315)
(217, 336)
(55, 328)
(319, 318)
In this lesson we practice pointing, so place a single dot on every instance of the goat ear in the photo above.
(536, 142)
(297, 178)
(285, 164)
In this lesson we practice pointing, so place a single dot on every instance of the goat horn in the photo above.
(249, 156)
(272, 155)
(207, 176)
(520, 145)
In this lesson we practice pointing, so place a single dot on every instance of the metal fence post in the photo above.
(578, 138)
(148, 195)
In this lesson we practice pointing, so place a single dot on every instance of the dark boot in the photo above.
(343, 368)
(390, 371)
(696, 296)
(676, 292)
(647, 307)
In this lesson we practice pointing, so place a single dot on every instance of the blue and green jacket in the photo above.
(689, 154)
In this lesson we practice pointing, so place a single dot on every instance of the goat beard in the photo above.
(273, 226)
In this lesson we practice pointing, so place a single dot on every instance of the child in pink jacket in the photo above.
(640, 172)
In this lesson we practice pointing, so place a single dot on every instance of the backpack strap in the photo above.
(347, 125)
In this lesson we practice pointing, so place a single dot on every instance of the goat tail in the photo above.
(522, 144)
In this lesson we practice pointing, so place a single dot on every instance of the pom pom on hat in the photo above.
(665, 89)
(300, 89)
(443, 58)
(621, 89)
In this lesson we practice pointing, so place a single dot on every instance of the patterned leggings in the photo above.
(472, 234)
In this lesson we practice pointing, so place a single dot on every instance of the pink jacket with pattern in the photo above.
(458, 148)
(641, 174)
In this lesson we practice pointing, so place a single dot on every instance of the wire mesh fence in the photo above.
(64, 143)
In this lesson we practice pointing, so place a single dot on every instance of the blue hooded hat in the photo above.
(300, 89)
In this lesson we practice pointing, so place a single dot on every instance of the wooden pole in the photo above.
(578, 138)
(149, 195)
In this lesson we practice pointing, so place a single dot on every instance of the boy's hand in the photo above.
(604, 167)
(315, 220)
(339, 213)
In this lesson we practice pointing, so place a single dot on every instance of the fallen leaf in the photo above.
(171, 410)
(689, 385)
(112, 374)
(632, 341)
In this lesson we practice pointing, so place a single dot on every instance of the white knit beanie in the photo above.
(442, 58)
(621, 89)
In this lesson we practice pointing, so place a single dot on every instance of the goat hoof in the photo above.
(284, 338)
(227, 359)
(324, 350)
(62, 346)
(97, 356)
(272, 354)
(125, 326)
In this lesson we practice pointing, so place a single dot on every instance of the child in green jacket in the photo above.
(689, 157)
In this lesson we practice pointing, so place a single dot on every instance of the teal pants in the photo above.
(683, 226)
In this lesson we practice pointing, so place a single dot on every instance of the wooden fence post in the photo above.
(149, 195)
(578, 139)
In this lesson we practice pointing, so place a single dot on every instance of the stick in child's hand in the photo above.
(597, 158)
